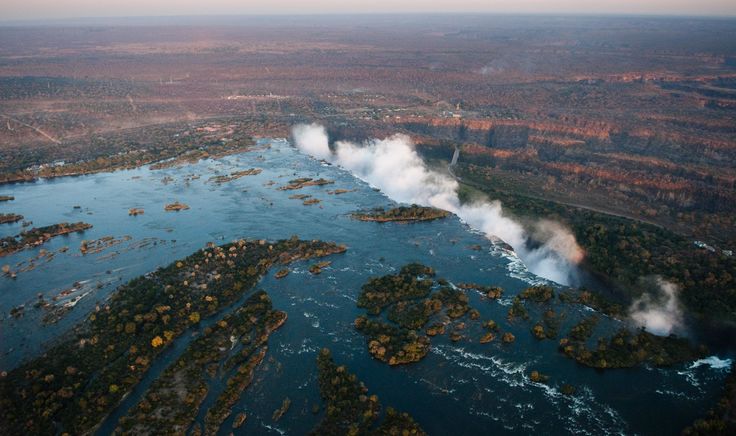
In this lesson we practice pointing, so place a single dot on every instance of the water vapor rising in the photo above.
(313, 140)
(659, 313)
(393, 166)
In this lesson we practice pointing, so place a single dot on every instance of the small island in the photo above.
(85, 376)
(236, 175)
(6, 198)
(318, 267)
(234, 347)
(38, 236)
(402, 214)
(340, 191)
(410, 300)
(490, 292)
(175, 207)
(349, 409)
(625, 349)
(6, 218)
(304, 182)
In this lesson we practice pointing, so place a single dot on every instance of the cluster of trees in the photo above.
(172, 402)
(622, 251)
(122, 150)
(71, 385)
(403, 214)
(349, 409)
(38, 235)
(410, 300)
(626, 349)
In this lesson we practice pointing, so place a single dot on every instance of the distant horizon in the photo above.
(47, 10)
(204, 17)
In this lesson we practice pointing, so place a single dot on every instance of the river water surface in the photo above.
(459, 388)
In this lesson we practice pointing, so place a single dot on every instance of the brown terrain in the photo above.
(629, 116)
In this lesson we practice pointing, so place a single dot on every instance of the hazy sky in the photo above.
(51, 9)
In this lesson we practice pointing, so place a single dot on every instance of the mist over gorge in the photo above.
(393, 166)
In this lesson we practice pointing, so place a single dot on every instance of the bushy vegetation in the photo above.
(173, 400)
(410, 300)
(626, 349)
(538, 294)
(163, 145)
(304, 182)
(594, 301)
(390, 344)
(517, 310)
(77, 382)
(402, 214)
(378, 293)
(350, 410)
(6, 218)
(37, 236)
(621, 251)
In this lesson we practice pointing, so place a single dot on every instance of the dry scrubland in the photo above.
(629, 116)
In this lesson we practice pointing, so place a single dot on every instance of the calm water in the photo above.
(459, 388)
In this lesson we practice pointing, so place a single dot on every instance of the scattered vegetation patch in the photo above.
(403, 214)
(491, 292)
(538, 294)
(304, 182)
(410, 300)
(350, 410)
(6, 218)
(378, 293)
(390, 344)
(625, 349)
(233, 347)
(319, 266)
(38, 236)
(340, 191)
(594, 301)
(453, 300)
(517, 310)
(235, 175)
(620, 251)
(70, 385)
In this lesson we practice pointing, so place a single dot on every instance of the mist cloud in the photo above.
(313, 140)
(393, 166)
(659, 312)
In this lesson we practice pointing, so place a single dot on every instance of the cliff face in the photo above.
(668, 176)
(509, 133)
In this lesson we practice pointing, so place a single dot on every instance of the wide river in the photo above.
(459, 388)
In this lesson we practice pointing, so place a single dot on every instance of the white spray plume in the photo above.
(393, 166)
(313, 140)
(659, 313)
